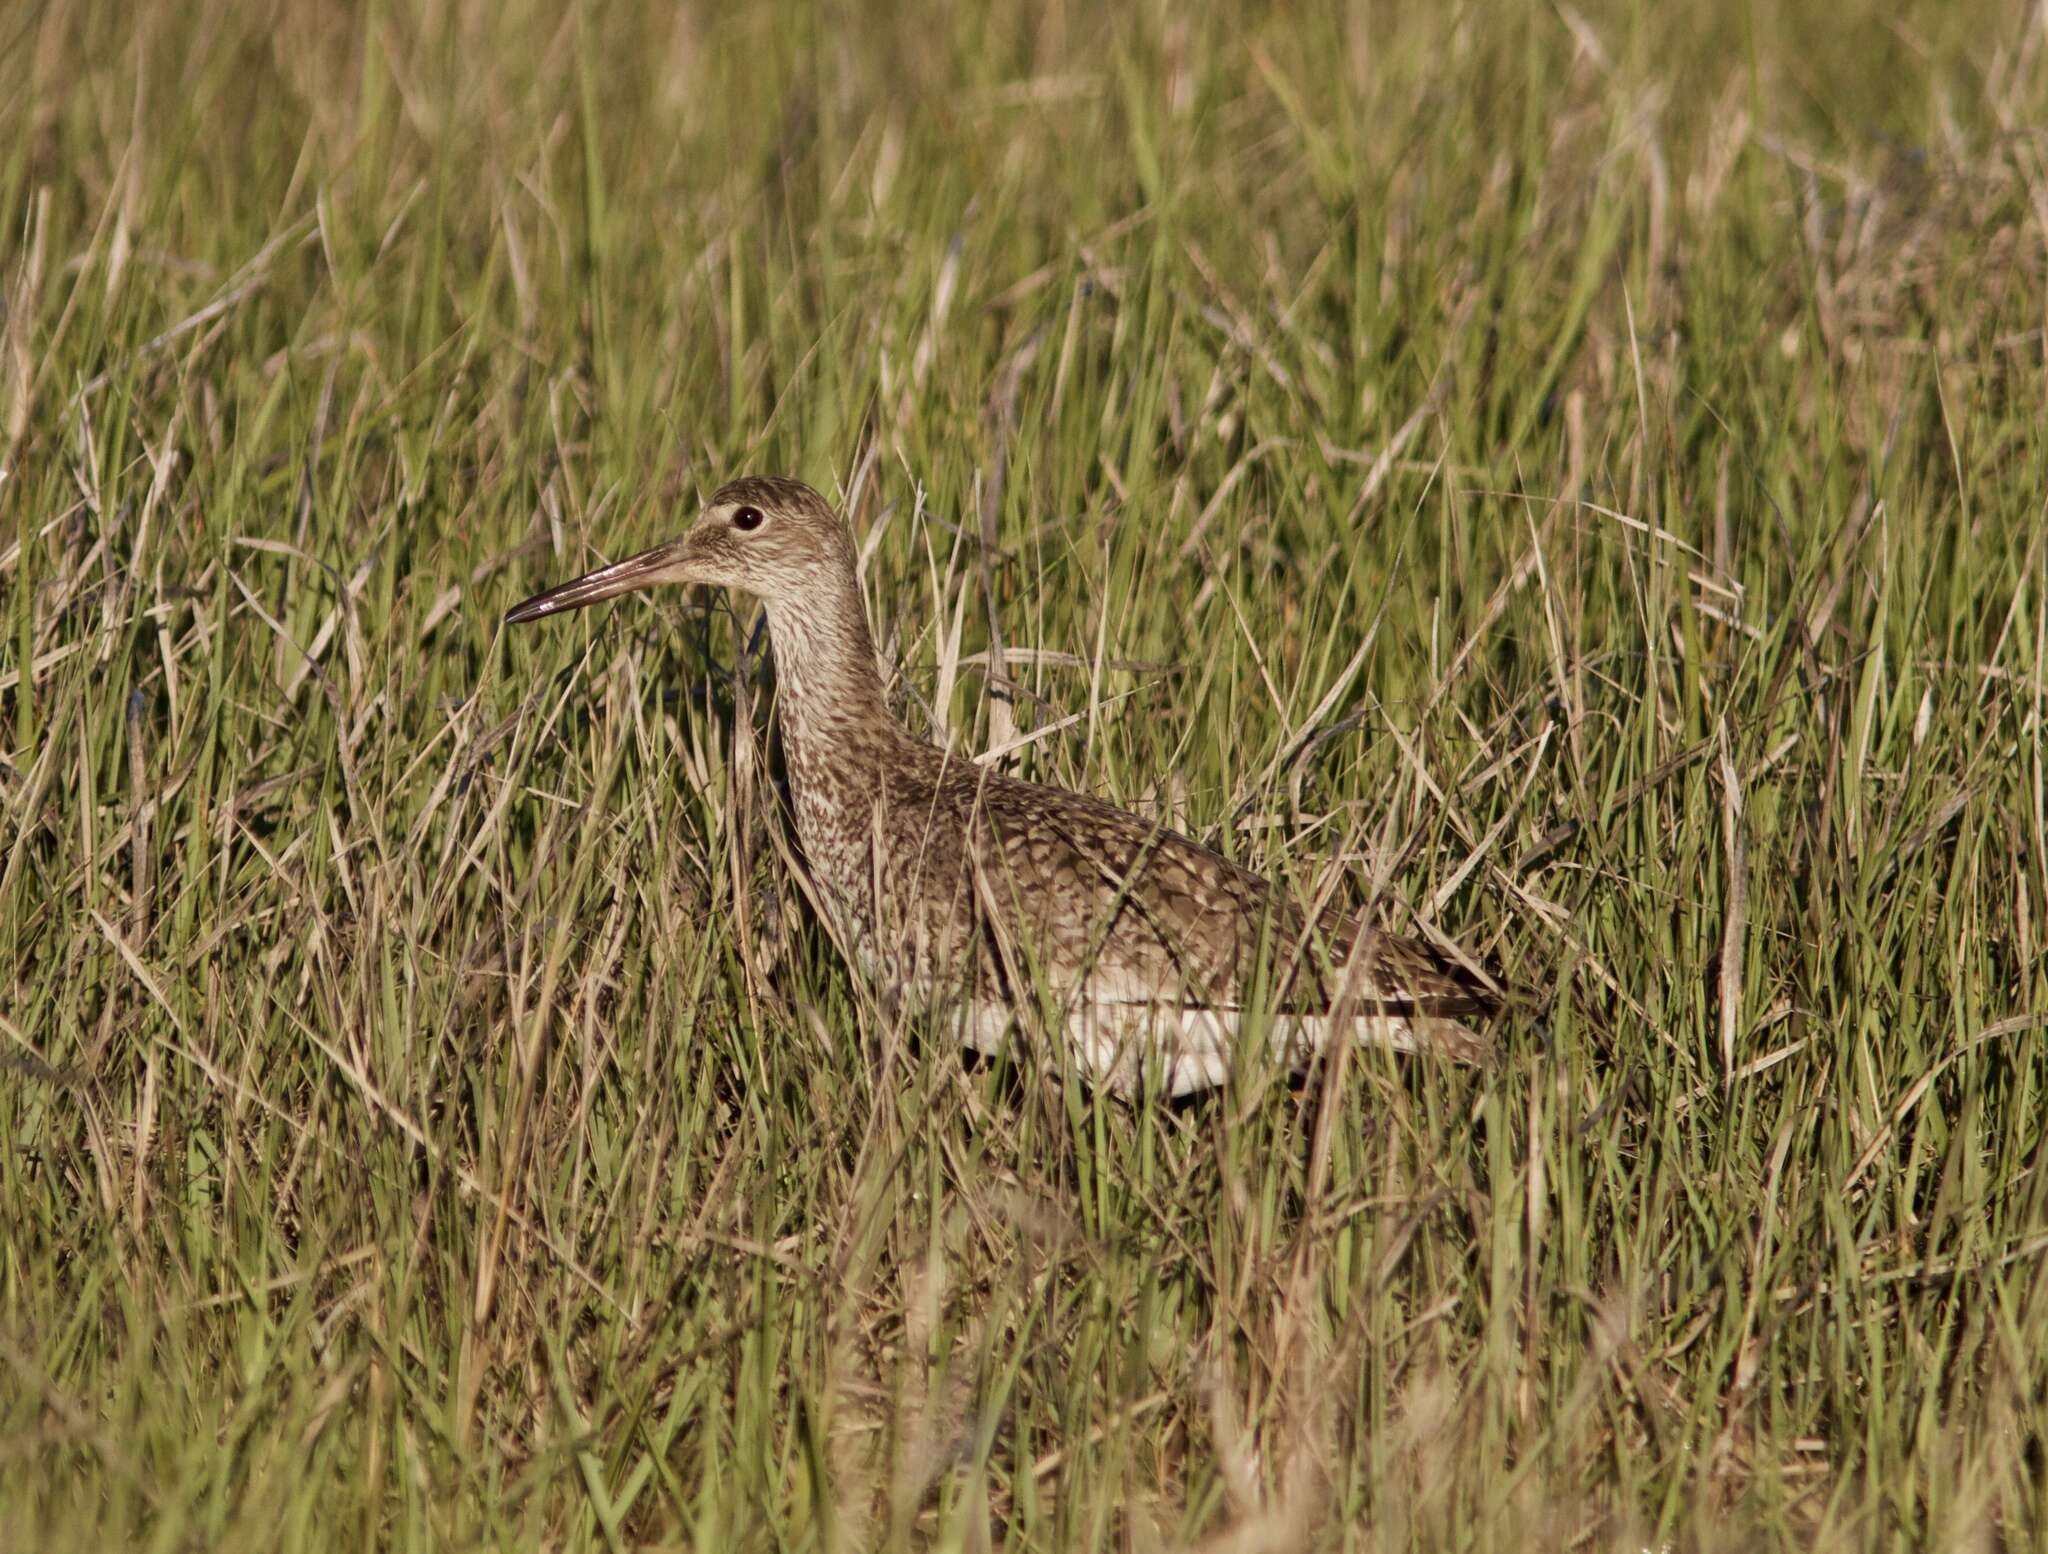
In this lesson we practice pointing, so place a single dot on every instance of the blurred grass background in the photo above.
(1575, 473)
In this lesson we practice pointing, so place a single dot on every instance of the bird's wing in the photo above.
(1098, 897)
(1104, 902)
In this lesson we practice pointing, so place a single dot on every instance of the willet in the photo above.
(1119, 949)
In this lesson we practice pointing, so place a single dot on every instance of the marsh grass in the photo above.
(1569, 477)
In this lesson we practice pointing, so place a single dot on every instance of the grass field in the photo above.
(1571, 476)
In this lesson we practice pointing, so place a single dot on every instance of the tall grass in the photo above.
(1569, 476)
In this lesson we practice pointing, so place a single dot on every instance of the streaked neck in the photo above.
(829, 692)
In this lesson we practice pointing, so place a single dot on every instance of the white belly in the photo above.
(1117, 1045)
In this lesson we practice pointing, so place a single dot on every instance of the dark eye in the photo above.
(747, 518)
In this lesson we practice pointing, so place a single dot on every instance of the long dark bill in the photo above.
(621, 577)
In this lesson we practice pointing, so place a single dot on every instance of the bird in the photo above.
(1120, 951)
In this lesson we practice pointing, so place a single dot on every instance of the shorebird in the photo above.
(1118, 949)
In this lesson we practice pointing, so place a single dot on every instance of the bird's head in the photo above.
(768, 537)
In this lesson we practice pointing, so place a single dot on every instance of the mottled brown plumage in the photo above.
(995, 906)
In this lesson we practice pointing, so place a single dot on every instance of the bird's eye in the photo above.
(747, 518)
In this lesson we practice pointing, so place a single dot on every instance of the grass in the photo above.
(1572, 477)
